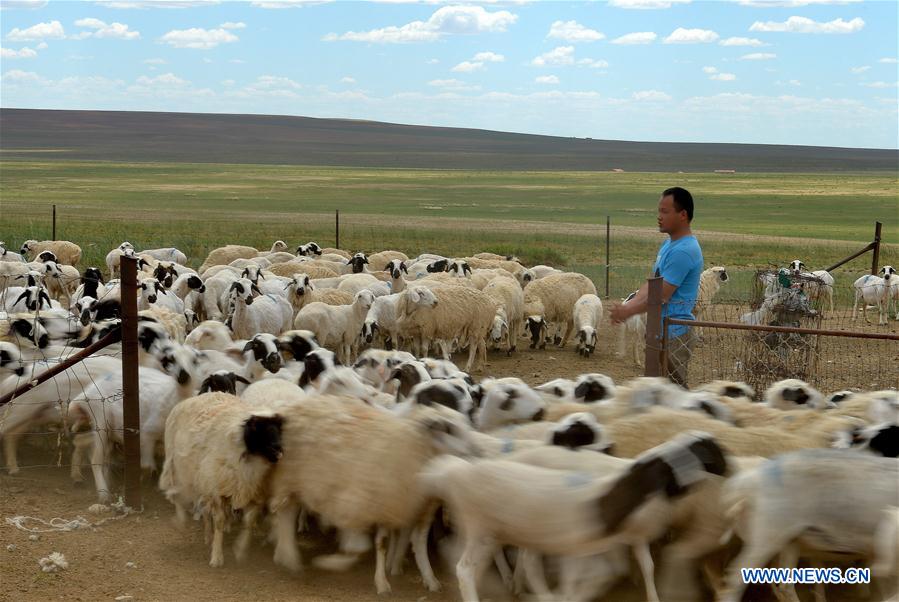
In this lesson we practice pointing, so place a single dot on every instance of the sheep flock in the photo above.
(313, 391)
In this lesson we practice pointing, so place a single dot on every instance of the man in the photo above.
(679, 263)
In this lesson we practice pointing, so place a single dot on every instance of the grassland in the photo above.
(744, 220)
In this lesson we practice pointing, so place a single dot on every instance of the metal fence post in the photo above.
(130, 381)
(54, 223)
(653, 359)
(337, 228)
(876, 259)
(608, 259)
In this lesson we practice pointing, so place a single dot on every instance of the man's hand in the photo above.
(619, 313)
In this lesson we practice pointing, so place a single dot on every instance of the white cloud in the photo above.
(233, 25)
(805, 25)
(560, 55)
(24, 53)
(347, 80)
(207, 60)
(275, 81)
(889, 60)
(791, 3)
(51, 30)
(237, 62)
(594, 63)
(26, 4)
(646, 4)
(709, 70)
(489, 57)
(638, 37)
(452, 84)
(861, 69)
(276, 4)
(154, 61)
(572, 31)
(447, 20)
(723, 77)
(794, 82)
(41, 46)
(165, 79)
(228, 82)
(103, 30)
(691, 36)
(24, 77)
(742, 42)
(433, 61)
(142, 4)
(197, 38)
(758, 56)
(879, 85)
(468, 67)
(546, 79)
(651, 95)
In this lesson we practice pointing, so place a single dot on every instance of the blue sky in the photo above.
(819, 72)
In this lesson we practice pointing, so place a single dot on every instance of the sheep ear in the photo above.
(255, 289)
(43, 295)
(349, 261)
(261, 275)
(245, 273)
(507, 404)
(240, 379)
(248, 346)
(414, 295)
(466, 268)
(403, 267)
(24, 295)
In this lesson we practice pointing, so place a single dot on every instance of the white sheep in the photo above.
(826, 500)
(458, 312)
(542, 271)
(67, 253)
(632, 336)
(337, 326)
(498, 502)
(509, 318)
(356, 467)
(872, 290)
(252, 315)
(792, 393)
(99, 408)
(587, 315)
(61, 281)
(10, 256)
(272, 391)
(218, 455)
(482, 277)
(227, 254)
(166, 254)
(382, 320)
(507, 401)
(710, 281)
(354, 283)
(210, 334)
(379, 261)
(558, 294)
(816, 284)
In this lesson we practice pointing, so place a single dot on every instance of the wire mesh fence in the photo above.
(787, 328)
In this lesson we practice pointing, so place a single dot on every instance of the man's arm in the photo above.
(640, 303)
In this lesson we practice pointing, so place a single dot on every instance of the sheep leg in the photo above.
(218, 535)
(243, 540)
(286, 553)
(855, 307)
(644, 559)
(81, 443)
(399, 544)
(569, 327)
(502, 566)
(472, 564)
(99, 462)
(754, 554)
(420, 549)
(532, 565)
(10, 442)
(789, 557)
(381, 583)
(472, 352)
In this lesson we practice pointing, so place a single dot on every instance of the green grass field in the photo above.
(745, 221)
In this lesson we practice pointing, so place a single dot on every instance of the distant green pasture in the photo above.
(744, 221)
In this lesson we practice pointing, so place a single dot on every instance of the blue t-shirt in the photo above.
(679, 263)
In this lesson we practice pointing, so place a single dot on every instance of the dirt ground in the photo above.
(169, 564)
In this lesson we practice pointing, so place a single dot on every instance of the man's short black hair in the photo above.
(683, 200)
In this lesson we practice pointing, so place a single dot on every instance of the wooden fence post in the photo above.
(876, 258)
(337, 228)
(54, 223)
(608, 257)
(653, 359)
(131, 383)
